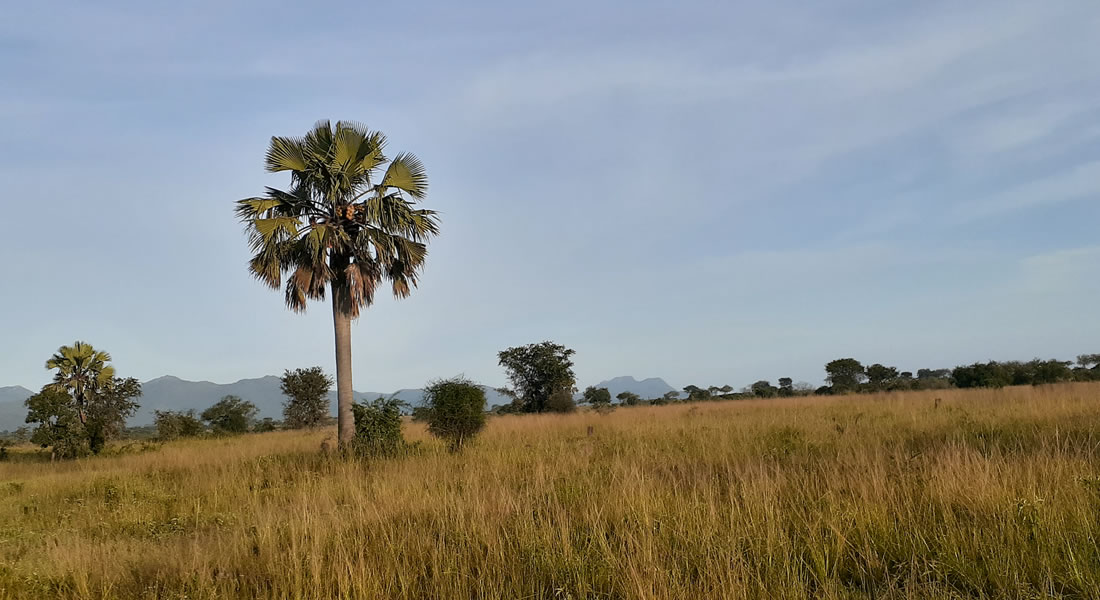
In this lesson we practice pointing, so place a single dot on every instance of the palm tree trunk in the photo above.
(341, 322)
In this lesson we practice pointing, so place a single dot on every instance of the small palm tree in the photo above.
(347, 223)
(81, 371)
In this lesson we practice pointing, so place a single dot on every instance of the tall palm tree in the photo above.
(81, 371)
(347, 223)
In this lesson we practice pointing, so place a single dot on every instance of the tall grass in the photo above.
(979, 494)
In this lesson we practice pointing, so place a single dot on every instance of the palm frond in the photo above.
(285, 154)
(408, 174)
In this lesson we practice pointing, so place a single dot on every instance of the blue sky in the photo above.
(709, 192)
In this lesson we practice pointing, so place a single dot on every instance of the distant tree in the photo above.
(82, 371)
(845, 375)
(172, 424)
(57, 421)
(539, 372)
(880, 377)
(456, 410)
(22, 435)
(1050, 371)
(904, 381)
(803, 388)
(672, 396)
(266, 425)
(230, 415)
(628, 398)
(695, 393)
(725, 389)
(348, 223)
(786, 386)
(1089, 361)
(108, 408)
(933, 373)
(824, 390)
(597, 397)
(307, 403)
(57, 414)
(764, 389)
(991, 374)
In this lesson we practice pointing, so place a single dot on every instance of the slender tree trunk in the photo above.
(341, 322)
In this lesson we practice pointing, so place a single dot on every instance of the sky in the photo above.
(708, 192)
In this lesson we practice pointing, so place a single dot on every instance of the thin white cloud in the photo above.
(1077, 183)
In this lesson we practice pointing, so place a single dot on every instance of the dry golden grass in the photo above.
(985, 494)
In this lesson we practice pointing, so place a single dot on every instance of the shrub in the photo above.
(629, 398)
(266, 425)
(307, 403)
(378, 428)
(561, 401)
(230, 415)
(455, 410)
(171, 424)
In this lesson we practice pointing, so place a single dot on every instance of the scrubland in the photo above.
(947, 494)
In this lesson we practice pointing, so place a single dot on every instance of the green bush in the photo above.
(455, 410)
(561, 401)
(378, 428)
(266, 425)
(230, 415)
(171, 424)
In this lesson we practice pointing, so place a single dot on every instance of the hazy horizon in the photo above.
(710, 195)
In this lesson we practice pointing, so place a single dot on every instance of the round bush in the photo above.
(455, 410)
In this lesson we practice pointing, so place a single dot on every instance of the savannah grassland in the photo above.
(984, 494)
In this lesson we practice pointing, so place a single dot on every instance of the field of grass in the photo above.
(949, 494)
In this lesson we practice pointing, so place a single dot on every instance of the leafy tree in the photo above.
(172, 424)
(230, 415)
(933, 373)
(58, 423)
(597, 396)
(786, 386)
(378, 428)
(628, 398)
(307, 403)
(803, 388)
(1050, 371)
(81, 370)
(764, 389)
(991, 374)
(347, 223)
(456, 410)
(1089, 361)
(107, 410)
(845, 375)
(539, 372)
(670, 397)
(726, 389)
(880, 376)
(695, 392)
(266, 425)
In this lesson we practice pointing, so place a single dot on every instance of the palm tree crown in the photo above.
(339, 222)
(81, 370)
(348, 222)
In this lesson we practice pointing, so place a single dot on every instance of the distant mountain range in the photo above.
(173, 393)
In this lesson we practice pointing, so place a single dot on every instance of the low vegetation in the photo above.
(985, 493)
(455, 410)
